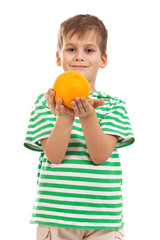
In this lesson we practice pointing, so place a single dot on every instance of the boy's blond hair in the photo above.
(80, 24)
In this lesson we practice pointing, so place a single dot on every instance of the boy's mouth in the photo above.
(79, 66)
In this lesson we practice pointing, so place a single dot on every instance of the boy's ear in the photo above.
(58, 58)
(104, 61)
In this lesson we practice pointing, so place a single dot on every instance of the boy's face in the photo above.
(82, 55)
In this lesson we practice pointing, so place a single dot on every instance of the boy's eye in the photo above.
(71, 49)
(89, 50)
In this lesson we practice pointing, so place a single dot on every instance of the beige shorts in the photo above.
(45, 232)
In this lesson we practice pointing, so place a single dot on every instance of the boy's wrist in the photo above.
(89, 116)
(66, 118)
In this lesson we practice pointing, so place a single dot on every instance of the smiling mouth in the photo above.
(79, 66)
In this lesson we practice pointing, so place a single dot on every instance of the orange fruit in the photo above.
(70, 85)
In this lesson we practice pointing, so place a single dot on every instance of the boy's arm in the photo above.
(100, 146)
(56, 145)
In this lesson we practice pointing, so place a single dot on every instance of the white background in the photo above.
(28, 32)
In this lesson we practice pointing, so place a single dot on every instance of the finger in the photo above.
(75, 108)
(47, 97)
(101, 102)
(51, 100)
(80, 105)
(62, 110)
(57, 107)
(96, 102)
(86, 105)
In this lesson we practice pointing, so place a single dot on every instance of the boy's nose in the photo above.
(79, 56)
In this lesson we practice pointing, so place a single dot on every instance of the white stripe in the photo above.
(77, 132)
(40, 132)
(69, 215)
(118, 116)
(102, 111)
(77, 191)
(70, 157)
(100, 209)
(81, 166)
(39, 125)
(76, 223)
(114, 128)
(77, 140)
(50, 129)
(115, 122)
(79, 149)
(77, 183)
(85, 175)
(120, 110)
(86, 200)
(39, 111)
(78, 125)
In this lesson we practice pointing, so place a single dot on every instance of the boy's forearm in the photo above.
(56, 145)
(100, 146)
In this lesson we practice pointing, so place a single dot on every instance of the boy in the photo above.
(79, 180)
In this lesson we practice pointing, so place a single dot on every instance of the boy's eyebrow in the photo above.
(88, 44)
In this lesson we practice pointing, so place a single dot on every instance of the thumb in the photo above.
(96, 102)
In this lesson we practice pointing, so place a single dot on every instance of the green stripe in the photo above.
(72, 219)
(81, 204)
(77, 144)
(76, 120)
(89, 162)
(73, 135)
(80, 170)
(126, 143)
(42, 121)
(41, 128)
(101, 115)
(32, 139)
(39, 97)
(77, 128)
(32, 119)
(117, 126)
(76, 195)
(105, 129)
(31, 147)
(78, 187)
(119, 114)
(81, 179)
(115, 119)
(72, 211)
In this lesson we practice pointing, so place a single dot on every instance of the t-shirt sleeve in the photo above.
(40, 125)
(116, 122)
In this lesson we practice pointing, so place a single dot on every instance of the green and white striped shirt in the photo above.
(77, 193)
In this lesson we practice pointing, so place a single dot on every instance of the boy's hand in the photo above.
(57, 108)
(83, 107)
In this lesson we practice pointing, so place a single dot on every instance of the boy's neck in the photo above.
(92, 86)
